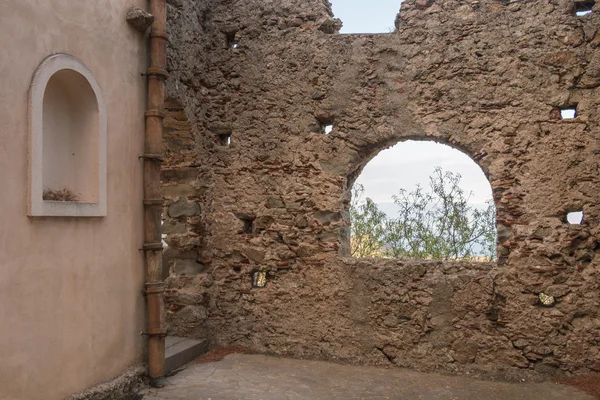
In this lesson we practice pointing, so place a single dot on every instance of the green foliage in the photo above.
(439, 224)
(368, 223)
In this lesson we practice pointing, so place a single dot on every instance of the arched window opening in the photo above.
(423, 200)
(360, 16)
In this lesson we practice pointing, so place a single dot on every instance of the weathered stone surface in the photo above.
(182, 208)
(125, 387)
(558, 290)
(220, 129)
(452, 73)
(139, 19)
(187, 267)
(171, 227)
(180, 175)
(244, 376)
(273, 202)
(182, 190)
(327, 217)
(175, 3)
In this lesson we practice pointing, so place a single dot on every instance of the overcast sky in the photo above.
(363, 16)
(411, 162)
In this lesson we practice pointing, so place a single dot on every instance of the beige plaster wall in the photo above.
(70, 304)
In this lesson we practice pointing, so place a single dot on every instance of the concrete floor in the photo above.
(241, 376)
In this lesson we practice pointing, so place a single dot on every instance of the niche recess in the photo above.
(67, 140)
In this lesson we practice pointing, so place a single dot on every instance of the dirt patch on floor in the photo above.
(589, 384)
(219, 353)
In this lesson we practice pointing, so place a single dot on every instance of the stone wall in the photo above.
(253, 184)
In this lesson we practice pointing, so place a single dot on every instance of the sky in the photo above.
(412, 162)
(363, 16)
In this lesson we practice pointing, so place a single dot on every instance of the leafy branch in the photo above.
(437, 224)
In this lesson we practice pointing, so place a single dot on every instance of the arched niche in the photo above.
(67, 141)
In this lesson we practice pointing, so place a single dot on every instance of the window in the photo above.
(423, 200)
(67, 154)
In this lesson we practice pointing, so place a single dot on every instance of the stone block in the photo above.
(182, 208)
(180, 351)
(170, 227)
(274, 202)
(179, 175)
(327, 217)
(139, 19)
(187, 267)
(220, 129)
(182, 190)
(263, 222)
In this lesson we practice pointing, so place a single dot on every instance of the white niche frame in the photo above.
(36, 205)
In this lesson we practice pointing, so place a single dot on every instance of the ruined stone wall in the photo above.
(260, 187)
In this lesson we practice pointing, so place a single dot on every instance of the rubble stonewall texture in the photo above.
(125, 387)
(252, 183)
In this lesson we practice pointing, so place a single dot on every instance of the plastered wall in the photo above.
(486, 77)
(70, 301)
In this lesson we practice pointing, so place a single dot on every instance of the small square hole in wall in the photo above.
(248, 227)
(259, 279)
(583, 8)
(575, 217)
(325, 120)
(568, 112)
(225, 140)
(231, 39)
(248, 220)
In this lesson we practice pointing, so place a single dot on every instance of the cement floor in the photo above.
(244, 377)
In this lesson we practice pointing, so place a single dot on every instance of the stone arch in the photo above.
(370, 150)
(67, 140)
(366, 147)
